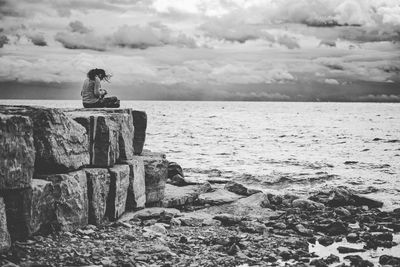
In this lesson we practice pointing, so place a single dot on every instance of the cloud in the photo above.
(77, 26)
(380, 98)
(37, 39)
(289, 42)
(75, 40)
(152, 34)
(331, 81)
(3, 40)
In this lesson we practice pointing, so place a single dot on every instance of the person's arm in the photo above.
(97, 87)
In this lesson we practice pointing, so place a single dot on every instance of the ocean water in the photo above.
(289, 147)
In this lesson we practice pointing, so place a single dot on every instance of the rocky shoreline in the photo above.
(260, 229)
(104, 202)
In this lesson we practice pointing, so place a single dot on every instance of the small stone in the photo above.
(341, 211)
(183, 239)
(332, 259)
(345, 250)
(280, 225)
(228, 219)
(157, 228)
(304, 231)
(307, 204)
(285, 255)
(253, 227)
(389, 260)
(352, 237)
(336, 228)
(318, 263)
(325, 241)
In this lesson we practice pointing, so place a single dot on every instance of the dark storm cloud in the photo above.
(37, 39)
(132, 36)
(77, 26)
(75, 40)
(3, 40)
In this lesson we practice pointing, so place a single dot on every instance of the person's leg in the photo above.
(110, 102)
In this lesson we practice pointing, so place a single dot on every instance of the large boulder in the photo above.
(61, 144)
(17, 151)
(5, 240)
(342, 196)
(156, 173)
(140, 124)
(137, 189)
(218, 197)
(252, 207)
(18, 209)
(178, 196)
(240, 189)
(42, 207)
(98, 188)
(70, 199)
(30, 210)
(110, 134)
(150, 213)
(116, 202)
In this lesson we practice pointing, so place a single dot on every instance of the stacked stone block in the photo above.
(63, 169)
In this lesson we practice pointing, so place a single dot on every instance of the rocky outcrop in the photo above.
(61, 144)
(70, 199)
(156, 173)
(98, 180)
(116, 201)
(137, 189)
(17, 151)
(5, 240)
(140, 124)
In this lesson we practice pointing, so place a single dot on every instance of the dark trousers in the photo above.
(106, 102)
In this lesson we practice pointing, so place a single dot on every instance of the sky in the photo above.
(254, 50)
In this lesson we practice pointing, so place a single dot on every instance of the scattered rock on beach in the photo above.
(389, 260)
(345, 250)
(340, 196)
(149, 213)
(307, 204)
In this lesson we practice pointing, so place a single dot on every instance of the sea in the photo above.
(289, 147)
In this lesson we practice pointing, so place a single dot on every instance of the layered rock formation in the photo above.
(62, 169)
(5, 240)
(16, 151)
(136, 192)
(98, 189)
(119, 184)
(156, 173)
(61, 144)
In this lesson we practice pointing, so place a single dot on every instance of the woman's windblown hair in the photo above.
(100, 73)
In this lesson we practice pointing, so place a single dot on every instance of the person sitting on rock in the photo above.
(93, 96)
